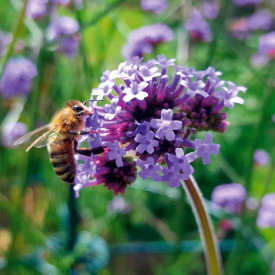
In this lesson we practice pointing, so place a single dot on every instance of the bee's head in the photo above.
(78, 108)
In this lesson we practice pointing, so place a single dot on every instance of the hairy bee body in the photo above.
(61, 153)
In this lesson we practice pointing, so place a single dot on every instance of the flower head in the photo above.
(152, 116)
(261, 157)
(246, 2)
(156, 6)
(210, 9)
(229, 197)
(11, 132)
(37, 8)
(266, 214)
(17, 77)
(63, 30)
(260, 20)
(197, 27)
(143, 40)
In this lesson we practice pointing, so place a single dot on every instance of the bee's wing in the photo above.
(46, 141)
(29, 135)
(43, 141)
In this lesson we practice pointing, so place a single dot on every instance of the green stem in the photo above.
(73, 219)
(211, 250)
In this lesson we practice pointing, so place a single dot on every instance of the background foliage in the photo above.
(159, 234)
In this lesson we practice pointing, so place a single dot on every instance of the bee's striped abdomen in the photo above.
(62, 158)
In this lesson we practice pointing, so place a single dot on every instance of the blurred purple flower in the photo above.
(37, 8)
(239, 28)
(118, 205)
(260, 20)
(261, 157)
(143, 40)
(69, 45)
(156, 6)
(11, 132)
(63, 30)
(63, 26)
(246, 2)
(156, 128)
(197, 27)
(229, 197)
(210, 9)
(259, 60)
(266, 213)
(5, 40)
(266, 50)
(267, 44)
(17, 77)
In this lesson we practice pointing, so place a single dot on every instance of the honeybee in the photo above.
(61, 138)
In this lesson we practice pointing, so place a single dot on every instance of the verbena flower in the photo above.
(266, 213)
(156, 6)
(155, 125)
(197, 27)
(143, 40)
(37, 8)
(17, 77)
(246, 2)
(11, 132)
(239, 28)
(266, 50)
(64, 31)
(210, 9)
(229, 197)
(260, 20)
(261, 157)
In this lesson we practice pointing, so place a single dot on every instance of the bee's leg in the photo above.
(87, 151)
(81, 133)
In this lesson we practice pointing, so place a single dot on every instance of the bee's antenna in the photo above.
(86, 101)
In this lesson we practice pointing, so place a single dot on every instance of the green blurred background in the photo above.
(159, 234)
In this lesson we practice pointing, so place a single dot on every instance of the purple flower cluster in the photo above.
(17, 77)
(38, 9)
(229, 197)
(239, 28)
(156, 6)
(143, 40)
(11, 132)
(261, 157)
(152, 109)
(210, 9)
(266, 213)
(260, 20)
(64, 31)
(266, 50)
(246, 2)
(197, 27)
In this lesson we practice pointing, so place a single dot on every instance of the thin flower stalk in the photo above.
(211, 249)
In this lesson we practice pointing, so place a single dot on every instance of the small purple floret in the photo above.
(116, 153)
(166, 126)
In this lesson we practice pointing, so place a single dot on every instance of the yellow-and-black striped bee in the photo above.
(61, 138)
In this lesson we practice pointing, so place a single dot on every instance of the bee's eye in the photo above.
(77, 108)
